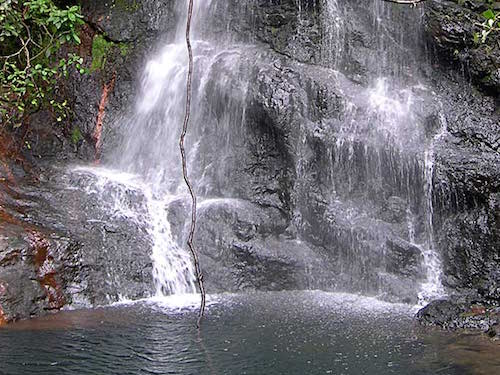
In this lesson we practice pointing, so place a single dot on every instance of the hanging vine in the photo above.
(405, 2)
(199, 275)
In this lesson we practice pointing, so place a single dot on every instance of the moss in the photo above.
(124, 49)
(76, 135)
(127, 5)
(100, 50)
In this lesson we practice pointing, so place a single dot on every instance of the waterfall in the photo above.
(392, 133)
(147, 161)
(375, 150)
(433, 287)
(332, 21)
(399, 54)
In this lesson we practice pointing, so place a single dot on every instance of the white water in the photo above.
(129, 196)
(333, 39)
(147, 163)
(393, 102)
(432, 288)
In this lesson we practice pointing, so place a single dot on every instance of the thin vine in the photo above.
(199, 275)
(405, 2)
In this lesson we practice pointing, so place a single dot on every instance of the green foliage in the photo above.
(127, 5)
(491, 23)
(100, 50)
(76, 136)
(32, 35)
(124, 49)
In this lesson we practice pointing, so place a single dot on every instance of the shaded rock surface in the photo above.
(78, 254)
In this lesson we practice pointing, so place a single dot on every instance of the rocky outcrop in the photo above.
(241, 250)
(51, 254)
(60, 248)
(466, 191)
(34, 271)
(451, 27)
(461, 313)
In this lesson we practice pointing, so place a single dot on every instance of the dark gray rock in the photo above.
(458, 313)
(466, 185)
(451, 27)
(60, 246)
(130, 20)
(404, 259)
(34, 271)
(241, 249)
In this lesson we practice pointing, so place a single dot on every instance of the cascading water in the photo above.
(333, 33)
(433, 287)
(392, 133)
(147, 162)
(401, 57)
(374, 151)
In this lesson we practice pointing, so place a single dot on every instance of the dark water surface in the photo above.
(262, 333)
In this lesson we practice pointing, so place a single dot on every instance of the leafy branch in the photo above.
(32, 34)
(490, 25)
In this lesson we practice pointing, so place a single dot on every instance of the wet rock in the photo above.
(79, 253)
(451, 26)
(395, 210)
(494, 331)
(34, 270)
(403, 258)
(146, 19)
(460, 313)
(241, 249)
(466, 184)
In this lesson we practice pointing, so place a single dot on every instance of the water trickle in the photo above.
(332, 21)
(432, 288)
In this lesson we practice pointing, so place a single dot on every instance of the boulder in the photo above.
(460, 313)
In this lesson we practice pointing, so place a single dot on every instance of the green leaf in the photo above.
(489, 14)
(476, 38)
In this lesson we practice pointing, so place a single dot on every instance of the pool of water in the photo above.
(260, 333)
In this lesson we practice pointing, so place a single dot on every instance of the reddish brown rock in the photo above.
(3, 321)
(45, 270)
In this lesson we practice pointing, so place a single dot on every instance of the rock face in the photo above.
(77, 254)
(311, 169)
(451, 28)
